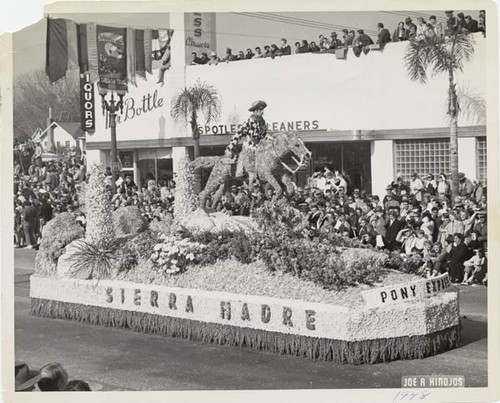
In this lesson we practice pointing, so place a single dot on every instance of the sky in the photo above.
(237, 31)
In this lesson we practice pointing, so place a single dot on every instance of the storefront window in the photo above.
(481, 157)
(421, 156)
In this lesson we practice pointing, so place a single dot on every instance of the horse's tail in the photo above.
(203, 163)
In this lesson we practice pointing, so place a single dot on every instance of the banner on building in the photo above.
(87, 103)
(62, 48)
(112, 58)
(199, 34)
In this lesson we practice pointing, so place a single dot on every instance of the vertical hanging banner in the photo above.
(112, 58)
(200, 34)
(87, 103)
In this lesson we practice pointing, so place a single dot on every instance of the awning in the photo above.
(159, 153)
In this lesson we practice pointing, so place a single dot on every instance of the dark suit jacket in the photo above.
(458, 254)
(285, 50)
(472, 26)
(384, 36)
(392, 230)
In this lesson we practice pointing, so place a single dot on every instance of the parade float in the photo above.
(263, 282)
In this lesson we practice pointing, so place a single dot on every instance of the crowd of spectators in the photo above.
(50, 378)
(416, 219)
(46, 189)
(358, 40)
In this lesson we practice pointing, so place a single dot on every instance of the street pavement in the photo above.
(118, 359)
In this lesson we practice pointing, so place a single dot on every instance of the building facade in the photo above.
(361, 115)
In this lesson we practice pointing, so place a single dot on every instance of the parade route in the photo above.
(96, 354)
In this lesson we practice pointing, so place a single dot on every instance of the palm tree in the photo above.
(447, 55)
(202, 98)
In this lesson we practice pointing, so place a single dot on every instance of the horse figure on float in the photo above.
(269, 163)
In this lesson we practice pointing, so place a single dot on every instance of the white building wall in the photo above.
(467, 156)
(382, 166)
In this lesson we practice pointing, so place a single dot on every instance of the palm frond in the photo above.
(417, 59)
(94, 259)
(472, 105)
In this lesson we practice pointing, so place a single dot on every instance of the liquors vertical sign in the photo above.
(199, 34)
(87, 103)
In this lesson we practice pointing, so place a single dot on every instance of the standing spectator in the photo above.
(437, 26)
(393, 226)
(465, 187)
(411, 28)
(360, 43)
(458, 254)
(274, 51)
(384, 36)
(461, 23)
(30, 220)
(471, 25)
(443, 187)
(285, 49)
(323, 42)
(477, 192)
(451, 23)
(400, 33)
(421, 27)
(258, 53)
(335, 43)
(416, 187)
(481, 25)
(267, 51)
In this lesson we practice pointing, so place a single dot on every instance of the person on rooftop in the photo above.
(285, 49)
(384, 36)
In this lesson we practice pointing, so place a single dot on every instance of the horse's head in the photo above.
(289, 144)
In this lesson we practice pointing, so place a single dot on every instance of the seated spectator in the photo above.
(26, 379)
(465, 187)
(249, 54)
(241, 55)
(473, 268)
(285, 49)
(53, 377)
(258, 53)
(195, 60)
(204, 59)
(481, 227)
(439, 259)
(77, 386)
(436, 26)
(213, 59)
(229, 56)
(274, 51)
(296, 50)
(313, 47)
(384, 36)
(304, 47)
(323, 43)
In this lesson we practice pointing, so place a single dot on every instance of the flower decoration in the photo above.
(173, 255)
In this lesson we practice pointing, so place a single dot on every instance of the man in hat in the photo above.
(465, 187)
(213, 59)
(253, 131)
(451, 23)
(26, 379)
(411, 28)
(335, 43)
(461, 22)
